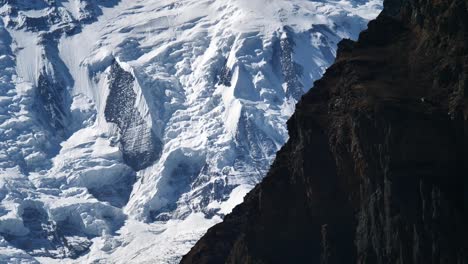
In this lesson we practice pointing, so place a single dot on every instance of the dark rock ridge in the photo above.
(291, 70)
(140, 146)
(375, 170)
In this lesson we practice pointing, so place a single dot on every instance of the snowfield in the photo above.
(128, 128)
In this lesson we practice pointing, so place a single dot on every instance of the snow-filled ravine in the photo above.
(129, 127)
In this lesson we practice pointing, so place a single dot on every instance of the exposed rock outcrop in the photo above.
(140, 146)
(375, 170)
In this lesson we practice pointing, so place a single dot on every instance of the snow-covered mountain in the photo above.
(128, 128)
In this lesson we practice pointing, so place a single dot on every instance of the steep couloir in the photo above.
(375, 169)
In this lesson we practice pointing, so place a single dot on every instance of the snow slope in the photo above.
(127, 128)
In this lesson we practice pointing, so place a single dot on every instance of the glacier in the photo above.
(129, 127)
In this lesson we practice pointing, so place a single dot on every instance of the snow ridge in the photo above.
(127, 128)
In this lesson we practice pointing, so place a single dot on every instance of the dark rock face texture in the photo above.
(140, 146)
(375, 170)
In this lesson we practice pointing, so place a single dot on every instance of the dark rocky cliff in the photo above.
(375, 170)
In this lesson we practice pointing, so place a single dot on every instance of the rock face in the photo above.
(140, 146)
(375, 169)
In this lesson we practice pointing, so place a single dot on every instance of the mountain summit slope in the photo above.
(128, 127)
(375, 170)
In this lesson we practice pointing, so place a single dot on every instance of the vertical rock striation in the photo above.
(375, 167)
(140, 146)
